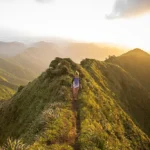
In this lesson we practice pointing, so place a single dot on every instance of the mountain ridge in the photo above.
(136, 51)
(125, 88)
(137, 63)
(42, 111)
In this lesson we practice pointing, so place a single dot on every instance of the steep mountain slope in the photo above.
(11, 76)
(6, 92)
(42, 113)
(11, 48)
(15, 69)
(137, 63)
(130, 94)
(6, 89)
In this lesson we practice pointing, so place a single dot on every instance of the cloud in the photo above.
(129, 8)
(44, 1)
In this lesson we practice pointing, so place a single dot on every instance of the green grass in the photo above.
(41, 115)
(17, 70)
(126, 90)
(12, 75)
(103, 121)
(5, 92)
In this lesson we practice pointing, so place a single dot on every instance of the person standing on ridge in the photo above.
(75, 85)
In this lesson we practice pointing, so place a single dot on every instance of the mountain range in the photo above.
(21, 63)
(11, 48)
(112, 110)
(78, 51)
(137, 63)
(19, 66)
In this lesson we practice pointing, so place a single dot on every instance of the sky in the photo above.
(124, 22)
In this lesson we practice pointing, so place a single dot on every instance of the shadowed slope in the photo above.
(137, 63)
(120, 85)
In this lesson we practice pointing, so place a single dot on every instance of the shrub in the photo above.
(14, 145)
(20, 88)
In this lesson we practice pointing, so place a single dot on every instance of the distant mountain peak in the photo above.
(136, 52)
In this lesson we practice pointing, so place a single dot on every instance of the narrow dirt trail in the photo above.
(76, 110)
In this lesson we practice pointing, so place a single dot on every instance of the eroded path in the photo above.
(76, 110)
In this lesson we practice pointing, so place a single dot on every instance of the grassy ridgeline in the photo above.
(41, 113)
(137, 63)
(125, 89)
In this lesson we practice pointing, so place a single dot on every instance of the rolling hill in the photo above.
(11, 48)
(37, 58)
(25, 66)
(15, 69)
(43, 115)
(11, 76)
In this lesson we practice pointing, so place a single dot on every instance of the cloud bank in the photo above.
(129, 8)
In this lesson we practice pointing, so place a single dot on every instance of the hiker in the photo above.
(75, 85)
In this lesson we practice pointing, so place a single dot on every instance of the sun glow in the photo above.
(80, 20)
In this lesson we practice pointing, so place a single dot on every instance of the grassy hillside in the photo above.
(6, 92)
(6, 89)
(137, 63)
(15, 69)
(43, 116)
(25, 66)
(128, 92)
(11, 76)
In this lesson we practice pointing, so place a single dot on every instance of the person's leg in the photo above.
(76, 93)
(73, 93)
